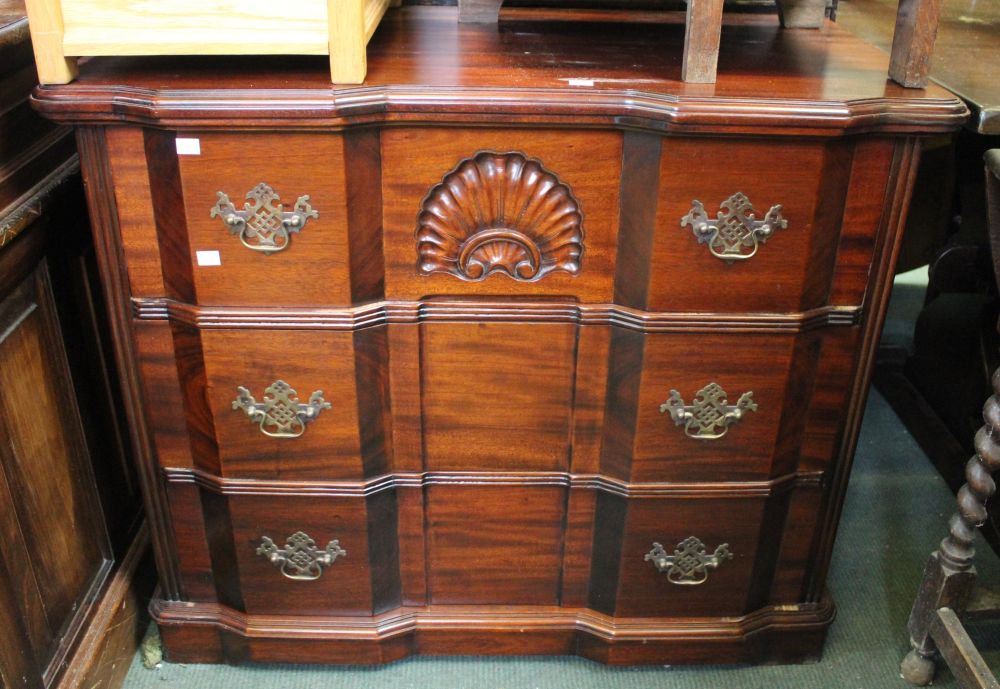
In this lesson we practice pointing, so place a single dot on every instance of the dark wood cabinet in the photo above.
(469, 357)
(70, 520)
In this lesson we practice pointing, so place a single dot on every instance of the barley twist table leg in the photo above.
(949, 574)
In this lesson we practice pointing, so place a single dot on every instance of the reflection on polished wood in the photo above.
(966, 55)
(495, 460)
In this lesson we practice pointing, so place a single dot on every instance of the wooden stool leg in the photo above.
(45, 21)
(949, 575)
(913, 42)
(348, 60)
(702, 34)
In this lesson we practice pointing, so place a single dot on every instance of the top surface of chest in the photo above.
(425, 66)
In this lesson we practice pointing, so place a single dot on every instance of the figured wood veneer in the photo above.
(494, 460)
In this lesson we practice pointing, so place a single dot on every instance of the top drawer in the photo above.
(666, 224)
(281, 240)
(745, 225)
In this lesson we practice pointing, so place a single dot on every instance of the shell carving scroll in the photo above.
(500, 213)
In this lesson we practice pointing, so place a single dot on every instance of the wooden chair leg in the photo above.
(702, 35)
(950, 575)
(913, 42)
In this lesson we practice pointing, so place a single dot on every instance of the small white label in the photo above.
(188, 147)
(208, 258)
(580, 82)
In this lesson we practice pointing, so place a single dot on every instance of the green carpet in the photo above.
(896, 512)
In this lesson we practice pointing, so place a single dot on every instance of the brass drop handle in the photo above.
(300, 559)
(689, 563)
(736, 234)
(710, 417)
(263, 225)
(280, 415)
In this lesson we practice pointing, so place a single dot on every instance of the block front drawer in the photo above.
(658, 223)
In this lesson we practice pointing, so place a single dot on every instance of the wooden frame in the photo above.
(62, 30)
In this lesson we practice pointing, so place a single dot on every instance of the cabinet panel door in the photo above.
(57, 547)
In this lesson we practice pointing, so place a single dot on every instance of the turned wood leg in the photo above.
(802, 14)
(913, 42)
(949, 574)
(479, 11)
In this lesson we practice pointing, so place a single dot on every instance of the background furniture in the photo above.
(937, 385)
(63, 30)
(70, 520)
(458, 360)
(949, 577)
(916, 23)
(66, 29)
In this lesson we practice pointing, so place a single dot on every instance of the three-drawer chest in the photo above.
(522, 346)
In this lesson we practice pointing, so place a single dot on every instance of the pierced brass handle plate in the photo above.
(710, 417)
(689, 563)
(280, 414)
(263, 225)
(300, 559)
(736, 234)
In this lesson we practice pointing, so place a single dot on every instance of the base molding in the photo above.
(105, 651)
(211, 633)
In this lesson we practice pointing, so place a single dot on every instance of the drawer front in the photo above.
(781, 260)
(285, 404)
(725, 407)
(680, 557)
(500, 212)
(297, 555)
(494, 545)
(281, 240)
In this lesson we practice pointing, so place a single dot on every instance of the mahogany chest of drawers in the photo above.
(524, 346)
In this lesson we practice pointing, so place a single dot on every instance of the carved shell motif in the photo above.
(499, 213)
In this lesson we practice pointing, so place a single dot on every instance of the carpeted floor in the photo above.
(896, 512)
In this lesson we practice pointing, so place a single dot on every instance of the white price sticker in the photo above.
(208, 258)
(188, 147)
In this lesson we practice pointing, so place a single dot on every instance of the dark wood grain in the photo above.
(104, 224)
(702, 35)
(61, 553)
(331, 446)
(640, 181)
(314, 268)
(171, 226)
(514, 556)
(913, 42)
(965, 50)
(524, 423)
(363, 182)
(415, 160)
(494, 459)
(804, 82)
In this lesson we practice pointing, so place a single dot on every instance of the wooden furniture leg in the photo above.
(913, 42)
(702, 33)
(802, 14)
(47, 40)
(949, 575)
(479, 11)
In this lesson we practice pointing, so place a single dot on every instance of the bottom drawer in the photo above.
(303, 555)
(684, 557)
